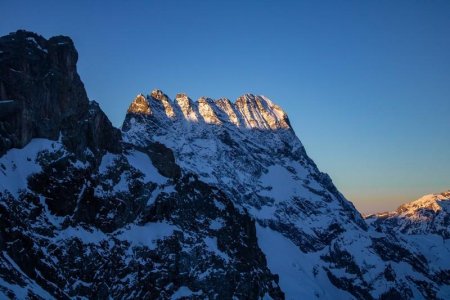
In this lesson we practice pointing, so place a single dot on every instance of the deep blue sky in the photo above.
(366, 83)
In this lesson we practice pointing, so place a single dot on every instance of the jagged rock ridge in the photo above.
(248, 111)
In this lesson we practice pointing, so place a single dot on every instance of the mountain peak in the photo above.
(261, 112)
(207, 109)
(426, 215)
(187, 107)
(165, 101)
(248, 111)
(140, 106)
(431, 202)
(182, 95)
(158, 95)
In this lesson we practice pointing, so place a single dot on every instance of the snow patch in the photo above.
(219, 205)
(91, 236)
(216, 224)
(18, 164)
(107, 161)
(122, 185)
(146, 235)
(142, 162)
(184, 291)
(33, 40)
(295, 268)
(278, 182)
(211, 243)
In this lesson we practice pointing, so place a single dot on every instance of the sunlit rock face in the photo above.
(206, 107)
(146, 106)
(187, 107)
(228, 110)
(249, 111)
(260, 112)
(166, 103)
(140, 106)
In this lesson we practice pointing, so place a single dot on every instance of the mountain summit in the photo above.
(429, 214)
(249, 111)
(205, 199)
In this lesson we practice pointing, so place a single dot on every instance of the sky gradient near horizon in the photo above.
(366, 84)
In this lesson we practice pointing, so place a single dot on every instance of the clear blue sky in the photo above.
(366, 83)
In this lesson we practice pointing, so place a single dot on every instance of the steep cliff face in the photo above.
(42, 96)
(206, 199)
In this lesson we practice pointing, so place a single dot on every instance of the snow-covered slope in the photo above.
(119, 228)
(321, 245)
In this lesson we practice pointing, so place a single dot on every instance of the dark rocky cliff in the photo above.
(41, 95)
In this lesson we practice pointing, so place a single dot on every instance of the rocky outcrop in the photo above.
(140, 106)
(98, 235)
(42, 96)
(260, 112)
(206, 108)
(187, 107)
(166, 103)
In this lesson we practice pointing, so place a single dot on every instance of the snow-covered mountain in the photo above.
(206, 199)
(248, 150)
(429, 214)
(422, 227)
(85, 215)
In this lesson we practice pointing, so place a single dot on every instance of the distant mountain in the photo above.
(422, 228)
(206, 199)
(429, 214)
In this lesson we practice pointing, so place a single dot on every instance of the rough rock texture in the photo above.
(142, 237)
(46, 98)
